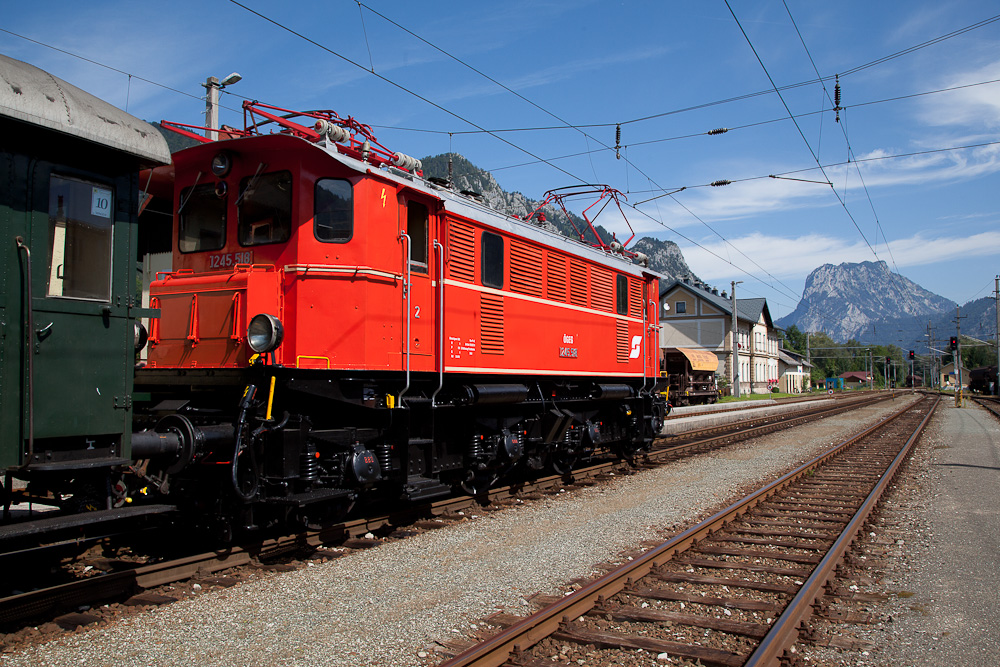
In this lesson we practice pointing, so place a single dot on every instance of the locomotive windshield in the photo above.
(264, 209)
(202, 219)
(333, 221)
(80, 239)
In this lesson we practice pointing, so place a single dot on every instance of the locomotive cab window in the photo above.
(202, 224)
(416, 228)
(264, 209)
(491, 254)
(80, 236)
(333, 217)
(621, 293)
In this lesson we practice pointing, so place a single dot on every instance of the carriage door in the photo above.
(418, 225)
(82, 348)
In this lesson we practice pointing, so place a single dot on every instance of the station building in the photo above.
(693, 315)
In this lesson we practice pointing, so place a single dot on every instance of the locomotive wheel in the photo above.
(477, 484)
(563, 462)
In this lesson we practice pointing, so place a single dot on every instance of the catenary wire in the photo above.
(850, 153)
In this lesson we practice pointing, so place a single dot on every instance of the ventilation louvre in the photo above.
(462, 252)
(621, 340)
(578, 283)
(602, 290)
(635, 298)
(525, 269)
(491, 323)
(555, 278)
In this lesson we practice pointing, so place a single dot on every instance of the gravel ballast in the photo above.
(388, 605)
(937, 554)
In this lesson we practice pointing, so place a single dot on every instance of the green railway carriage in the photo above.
(69, 195)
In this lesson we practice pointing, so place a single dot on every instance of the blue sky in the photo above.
(579, 68)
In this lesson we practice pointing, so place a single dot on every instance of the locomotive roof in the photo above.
(34, 96)
(470, 208)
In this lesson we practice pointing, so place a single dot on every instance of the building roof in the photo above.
(792, 357)
(749, 310)
(860, 376)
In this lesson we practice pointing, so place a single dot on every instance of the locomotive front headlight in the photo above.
(141, 336)
(221, 163)
(265, 333)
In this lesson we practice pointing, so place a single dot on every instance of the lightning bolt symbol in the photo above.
(383, 197)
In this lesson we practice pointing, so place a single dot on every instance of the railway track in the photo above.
(748, 405)
(120, 584)
(760, 425)
(991, 404)
(734, 590)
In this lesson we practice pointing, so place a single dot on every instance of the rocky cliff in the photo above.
(851, 301)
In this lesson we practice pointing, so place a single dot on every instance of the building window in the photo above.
(491, 256)
(680, 307)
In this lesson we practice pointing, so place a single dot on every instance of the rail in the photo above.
(555, 620)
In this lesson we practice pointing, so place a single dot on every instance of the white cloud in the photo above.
(974, 107)
(790, 257)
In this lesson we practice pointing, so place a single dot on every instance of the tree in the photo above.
(795, 339)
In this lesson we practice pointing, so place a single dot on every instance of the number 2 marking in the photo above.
(416, 312)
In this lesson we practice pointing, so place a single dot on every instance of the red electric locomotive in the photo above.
(336, 327)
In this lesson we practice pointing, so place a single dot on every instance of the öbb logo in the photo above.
(636, 347)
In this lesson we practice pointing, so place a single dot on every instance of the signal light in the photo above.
(911, 355)
(953, 345)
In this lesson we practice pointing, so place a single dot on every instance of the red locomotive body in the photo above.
(383, 331)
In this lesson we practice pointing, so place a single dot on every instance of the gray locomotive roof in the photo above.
(35, 96)
(474, 210)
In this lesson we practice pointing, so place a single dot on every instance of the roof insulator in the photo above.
(718, 130)
(716, 184)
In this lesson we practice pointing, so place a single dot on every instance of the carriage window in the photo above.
(80, 226)
(333, 217)
(622, 295)
(264, 208)
(491, 254)
(416, 228)
(202, 219)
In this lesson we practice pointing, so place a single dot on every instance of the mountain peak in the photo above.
(848, 299)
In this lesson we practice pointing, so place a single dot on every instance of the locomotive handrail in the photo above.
(343, 270)
(237, 330)
(440, 317)
(163, 275)
(406, 295)
(29, 326)
(154, 323)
